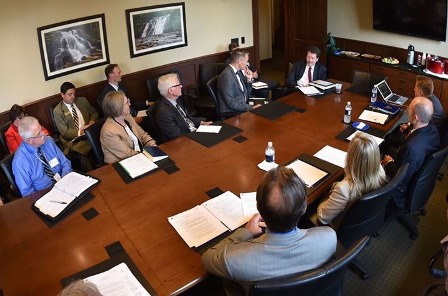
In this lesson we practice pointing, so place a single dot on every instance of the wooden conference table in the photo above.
(34, 258)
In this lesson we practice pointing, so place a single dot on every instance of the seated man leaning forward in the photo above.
(170, 113)
(121, 136)
(233, 87)
(248, 255)
(38, 162)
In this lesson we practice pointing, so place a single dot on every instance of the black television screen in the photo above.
(422, 18)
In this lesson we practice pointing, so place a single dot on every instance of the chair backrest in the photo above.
(424, 182)
(366, 215)
(4, 147)
(208, 71)
(93, 137)
(323, 281)
(154, 128)
(50, 109)
(151, 83)
(212, 87)
(361, 78)
(6, 165)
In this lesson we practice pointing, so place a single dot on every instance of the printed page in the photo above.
(197, 226)
(372, 116)
(377, 140)
(249, 203)
(309, 174)
(118, 281)
(309, 90)
(214, 129)
(332, 155)
(74, 183)
(137, 165)
(142, 113)
(227, 208)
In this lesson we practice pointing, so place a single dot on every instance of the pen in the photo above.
(59, 202)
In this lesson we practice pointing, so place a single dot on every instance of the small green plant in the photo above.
(331, 44)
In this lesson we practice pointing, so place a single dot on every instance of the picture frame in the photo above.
(73, 46)
(156, 28)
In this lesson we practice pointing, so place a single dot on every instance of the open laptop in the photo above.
(388, 95)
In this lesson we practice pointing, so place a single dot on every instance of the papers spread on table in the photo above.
(142, 113)
(373, 116)
(154, 153)
(249, 203)
(322, 84)
(332, 155)
(137, 165)
(309, 174)
(259, 84)
(204, 222)
(214, 129)
(377, 139)
(63, 193)
(309, 90)
(118, 281)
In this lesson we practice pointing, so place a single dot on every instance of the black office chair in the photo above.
(3, 145)
(212, 87)
(419, 192)
(93, 137)
(363, 82)
(154, 128)
(6, 165)
(324, 281)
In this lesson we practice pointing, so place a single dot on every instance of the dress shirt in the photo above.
(29, 171)
(304, 79)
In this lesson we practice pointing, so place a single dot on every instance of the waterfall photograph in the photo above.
(156, 28)
(72, 46)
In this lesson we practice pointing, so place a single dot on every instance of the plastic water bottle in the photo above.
(348, 113)
(373, 96)
(270, 153)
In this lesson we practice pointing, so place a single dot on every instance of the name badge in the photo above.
(54, 162)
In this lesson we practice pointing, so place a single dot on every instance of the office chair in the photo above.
(3, 145)
(93, 137)
(363, 82)
(6, 165)
(154, 128)
(212, 87)
(324, 281)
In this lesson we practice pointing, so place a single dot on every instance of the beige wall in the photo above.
(210, 25)
(352, 19)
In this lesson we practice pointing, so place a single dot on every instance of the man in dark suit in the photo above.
(170, 113)
(233, 87)
(422, 141)
(305, 71)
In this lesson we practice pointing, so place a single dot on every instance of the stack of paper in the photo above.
(309, 90)
(259, 85)
(309, 174)
(214, 129)
(322, 84)
(137, 165)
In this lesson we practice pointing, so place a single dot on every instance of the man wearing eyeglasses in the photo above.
(38, 162)
(170, 113)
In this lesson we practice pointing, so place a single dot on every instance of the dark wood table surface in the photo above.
(34, 257)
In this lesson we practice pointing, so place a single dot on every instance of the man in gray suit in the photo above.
(233, 86)
(248, 255)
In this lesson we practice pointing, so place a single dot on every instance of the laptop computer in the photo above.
(388, 95)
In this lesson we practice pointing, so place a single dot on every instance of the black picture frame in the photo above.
(73, 46)
(156, 28)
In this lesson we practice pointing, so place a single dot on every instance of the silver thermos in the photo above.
(410, 59)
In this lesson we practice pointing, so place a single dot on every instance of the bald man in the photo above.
(422, 141)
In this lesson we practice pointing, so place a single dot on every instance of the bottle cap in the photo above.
(269, 143)
(348, 103)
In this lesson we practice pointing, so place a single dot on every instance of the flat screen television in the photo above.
(422, 18)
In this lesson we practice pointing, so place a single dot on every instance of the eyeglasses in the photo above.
(180, 84)
(41, 134)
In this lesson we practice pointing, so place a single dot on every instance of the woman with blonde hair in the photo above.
(363, 173)
(121, 136)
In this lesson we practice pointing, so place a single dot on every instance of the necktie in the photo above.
(48, 171)
(190, 123)
(75, 117)
(310, 76)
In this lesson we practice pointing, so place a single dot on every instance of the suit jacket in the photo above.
(319, 73)
(135, 105)
(170, 122)
(231, 97)
(66, 126)
(245, 259)
(419, 145)
(116, 143)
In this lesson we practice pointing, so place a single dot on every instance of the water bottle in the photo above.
(270, 153)
(373, 97)
(348, 113)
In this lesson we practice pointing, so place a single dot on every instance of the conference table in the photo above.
(34, 258)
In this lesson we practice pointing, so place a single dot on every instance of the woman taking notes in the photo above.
(363, 173)
(121, 136)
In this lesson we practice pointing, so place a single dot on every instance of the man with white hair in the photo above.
(38, 162)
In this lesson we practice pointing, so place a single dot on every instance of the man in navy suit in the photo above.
(422, 141)
(305, 71)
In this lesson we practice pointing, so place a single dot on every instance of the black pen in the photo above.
(59, 202)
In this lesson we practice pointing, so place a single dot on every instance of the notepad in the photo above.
(373, 116)
(309, 90)
(322, 84)
(309, 174)
(332, 155)
(137, 165)
(214, 129)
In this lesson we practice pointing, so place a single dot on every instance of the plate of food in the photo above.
(390, 60)
(352, 54)
(371, 56)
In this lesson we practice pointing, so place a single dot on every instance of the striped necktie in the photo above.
(48, 171)
(75, 117)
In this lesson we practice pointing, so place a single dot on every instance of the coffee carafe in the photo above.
(411, 52)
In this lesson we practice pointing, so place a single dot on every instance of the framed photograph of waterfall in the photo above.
(156, 28)
(73, 46)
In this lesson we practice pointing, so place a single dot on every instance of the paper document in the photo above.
(259, 84)
(377, 140)
(309, 174)
(322, 84)
(332, 155)
(64, 192)
(227, 208)
(142, 113)
(214, 129)
(118, 281)
(249, 203)
(137, 165)
(309, 90)
(373, 116)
